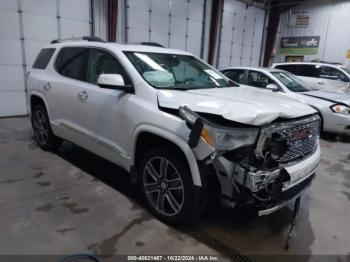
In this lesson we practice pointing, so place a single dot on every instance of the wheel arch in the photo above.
(36, 96)
(147, 135)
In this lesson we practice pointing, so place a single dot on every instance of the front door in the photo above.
(105, 110)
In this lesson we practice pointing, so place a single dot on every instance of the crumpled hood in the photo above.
(241, 104)
(330, 96)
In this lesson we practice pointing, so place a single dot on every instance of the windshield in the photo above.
(171, 71)
(346, 69)
(292, 82)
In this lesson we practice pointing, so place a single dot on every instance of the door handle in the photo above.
(47, 86)
(320, 83)
(83, 95)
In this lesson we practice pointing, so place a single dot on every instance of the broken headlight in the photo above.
(220, 138)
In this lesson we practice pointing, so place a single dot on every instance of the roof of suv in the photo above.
(262, 69)
(309, 63)
(120, 47)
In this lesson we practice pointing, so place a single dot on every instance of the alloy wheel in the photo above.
(163, 186)
(41, 128)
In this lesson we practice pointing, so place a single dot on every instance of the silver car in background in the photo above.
(323, 76)
(334, 107)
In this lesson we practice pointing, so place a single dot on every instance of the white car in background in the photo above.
(334, 107)
(323, 76)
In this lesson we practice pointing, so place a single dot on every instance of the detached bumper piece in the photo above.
(285, 197)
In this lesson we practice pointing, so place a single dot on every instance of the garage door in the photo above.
(25, 26)
(175, 24)
(240, 35)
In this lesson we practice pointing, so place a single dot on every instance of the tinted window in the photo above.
(102, 62)
(235, 75)
(258, 79)
(306, 70)
(289, 68)
(299, 69)
(71, 62)
(43, 58)
(331, 73)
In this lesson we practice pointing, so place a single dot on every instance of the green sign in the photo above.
(300, 45)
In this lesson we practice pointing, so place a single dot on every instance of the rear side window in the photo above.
(289, 68)
(299, 69)
(306, 70)
(235, 75)
(43, 58)
(327, 72)
(71, 62)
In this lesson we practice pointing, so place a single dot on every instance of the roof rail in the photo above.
(151, 44)
(325, 62)
(86, 38)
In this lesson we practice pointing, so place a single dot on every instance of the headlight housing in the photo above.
(220, 138)
(341, 109)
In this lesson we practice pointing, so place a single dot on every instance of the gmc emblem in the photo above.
(300, 135)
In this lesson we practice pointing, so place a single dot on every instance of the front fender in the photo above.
(191, 159)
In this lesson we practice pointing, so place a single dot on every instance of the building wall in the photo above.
(26, 26)
(240, 37)
(175, 24)
(329, 19)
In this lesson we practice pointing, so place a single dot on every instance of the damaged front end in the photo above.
(265, 167)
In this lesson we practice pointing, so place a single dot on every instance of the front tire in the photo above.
(42, 130)
(166, 185)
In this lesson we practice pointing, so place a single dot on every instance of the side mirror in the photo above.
(114, 81)
(272, 87)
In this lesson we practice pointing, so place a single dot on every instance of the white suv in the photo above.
(327, 77)
(181, 128)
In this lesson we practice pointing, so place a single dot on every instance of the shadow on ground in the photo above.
(225, 230)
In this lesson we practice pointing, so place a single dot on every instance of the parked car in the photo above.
(180, 127)
(328, 77)
(333, 107)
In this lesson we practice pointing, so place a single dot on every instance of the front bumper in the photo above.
(301, 175)
(302, 170)
(336, 123)
(263, 189)
(288, 196)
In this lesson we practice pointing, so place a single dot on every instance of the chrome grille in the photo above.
(299, 145)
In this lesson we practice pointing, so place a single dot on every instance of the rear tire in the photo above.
(166, 184)
(43, 135)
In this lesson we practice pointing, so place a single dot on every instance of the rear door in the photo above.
(331, 78)
(306, 72)
(62, 91)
